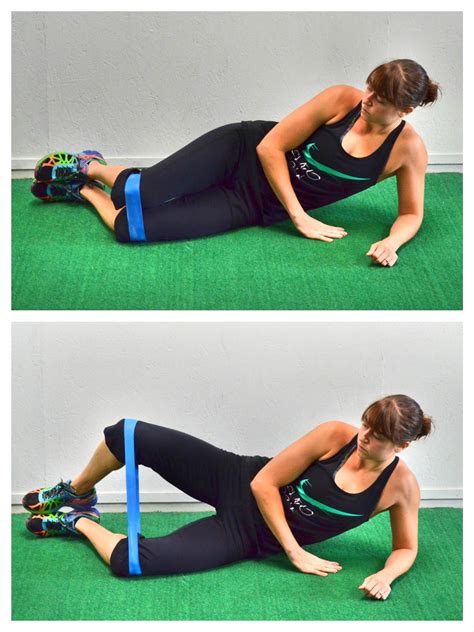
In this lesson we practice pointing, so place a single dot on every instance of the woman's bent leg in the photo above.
(197, 468)
(104, 173)
(196, 192)
(103, 540)
(211, 159)
(102, 203)
(216, 210)
(203, 544)
(102, 463)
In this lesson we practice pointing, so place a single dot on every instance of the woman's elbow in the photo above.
(258, 482)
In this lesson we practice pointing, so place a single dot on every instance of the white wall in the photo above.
(247, 387)
(138, 86)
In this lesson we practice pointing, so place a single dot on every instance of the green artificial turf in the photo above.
(63, 257)
(63, 578)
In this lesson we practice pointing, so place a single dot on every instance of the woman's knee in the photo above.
(149, 558)
(117, 193)
(114, 440)
(119, 559)
(121, 230)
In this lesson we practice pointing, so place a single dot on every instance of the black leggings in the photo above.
(209, 474)
(199, 190)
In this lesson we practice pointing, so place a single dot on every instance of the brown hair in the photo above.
(404, 83)
(398, 418)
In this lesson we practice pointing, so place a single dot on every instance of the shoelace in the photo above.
(65, 170)
(55, 522)
(57, 489)
(68, 190)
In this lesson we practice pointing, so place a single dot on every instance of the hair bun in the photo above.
(432, 92)
(426, 427)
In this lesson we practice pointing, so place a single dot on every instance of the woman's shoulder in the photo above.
(404, 482)
(345, 99)
(352, 94)
(411, 146)
(340, 428)
(339, 433)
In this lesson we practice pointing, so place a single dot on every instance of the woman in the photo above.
(339, 143)
(331, 480)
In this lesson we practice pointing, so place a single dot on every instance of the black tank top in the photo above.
(316, 508)
(321, 171)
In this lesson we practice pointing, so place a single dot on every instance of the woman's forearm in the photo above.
(270, 504)
(404, 228)
(398, 562)
(274, 165)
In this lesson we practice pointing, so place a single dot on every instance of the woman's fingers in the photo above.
(379, 252)
(318, 566)
(330, 567)
(314, 229)
(382, 254)
(329, 233)
(377, 593)
(335, 230)
(388, 259)
(375, 589)
(331, 563)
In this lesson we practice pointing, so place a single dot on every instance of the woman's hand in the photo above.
(314, 229)
(383, 252)
(376, 586)
(308, 563)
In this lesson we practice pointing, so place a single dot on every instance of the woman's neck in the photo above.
(362, 463)
(378, 129)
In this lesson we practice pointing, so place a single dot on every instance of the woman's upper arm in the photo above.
(299, 124)
(288, 464)
(404, 516)
(411, 180)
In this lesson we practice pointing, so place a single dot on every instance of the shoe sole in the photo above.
(46, 534)
(43, 512)
(59, 198)
(73, 175)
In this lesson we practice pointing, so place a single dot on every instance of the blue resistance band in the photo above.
(133, 497)
(133, 206)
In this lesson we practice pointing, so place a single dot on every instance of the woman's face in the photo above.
(376, 109)
(371, 445)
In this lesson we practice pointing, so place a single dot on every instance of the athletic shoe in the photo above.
(60, 523)
(64, 167)
(61, 191)
(47, 500)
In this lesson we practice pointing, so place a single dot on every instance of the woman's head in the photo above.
(403, 83)
(397, 418)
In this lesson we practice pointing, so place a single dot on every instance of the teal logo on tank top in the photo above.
(319, 165)
(316, 503)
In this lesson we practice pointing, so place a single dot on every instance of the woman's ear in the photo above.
(403, 446)
(406, 112)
